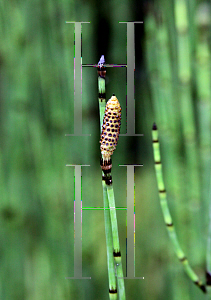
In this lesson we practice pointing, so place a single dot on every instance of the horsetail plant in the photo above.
(166, 213)
(110, 120)
(108, 232)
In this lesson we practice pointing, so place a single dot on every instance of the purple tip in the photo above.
(101, 61)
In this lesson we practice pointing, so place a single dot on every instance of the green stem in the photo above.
(111, 227)
(108, 230)
(117, 253)
(109, 245)
(166, 213)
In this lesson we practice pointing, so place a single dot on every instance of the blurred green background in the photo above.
(172, 87)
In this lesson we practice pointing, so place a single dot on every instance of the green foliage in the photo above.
(37, 110)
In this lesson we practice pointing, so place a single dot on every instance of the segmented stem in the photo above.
(108, 230)
(116, 253)
(166, 213)
(111, 227)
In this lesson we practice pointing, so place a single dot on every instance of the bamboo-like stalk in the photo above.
(203, 79)
(166, 213)
(164, 96)
(171, 135)
(115, 235)
(109, 245)
(203, 83)
(188, 127)
(184, 76)
(170, 91)
(106, 176)
(169, 102)
(108, 229)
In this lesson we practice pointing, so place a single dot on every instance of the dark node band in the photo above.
(107, 171)
(106, 165)
(154, 126)
(158, 162)
(201, 286)
(117, 254)
(108, 180)
(162, 191)
(169, 224)
(183, 258)
(208, 278)
(101, 72)
(112, 291)
(155, 141)
(102, 95)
